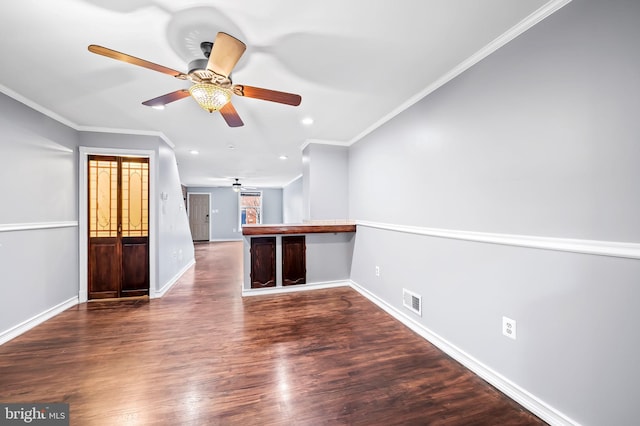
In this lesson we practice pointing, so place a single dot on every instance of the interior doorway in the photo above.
(118, 226)
(199, 207)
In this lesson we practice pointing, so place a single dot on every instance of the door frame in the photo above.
(83, 216)
(208, 211)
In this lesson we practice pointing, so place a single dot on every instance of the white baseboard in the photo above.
(294, 288)
(225, 240)
(172, 281)
(512, 390)
(38, 319)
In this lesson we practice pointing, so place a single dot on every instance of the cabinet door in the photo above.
(294, 268)
(263, 262)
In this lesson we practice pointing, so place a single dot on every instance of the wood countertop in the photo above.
(302, 228)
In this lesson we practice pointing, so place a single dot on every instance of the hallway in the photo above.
(203, 355)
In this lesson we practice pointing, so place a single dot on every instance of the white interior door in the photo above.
(199, 214)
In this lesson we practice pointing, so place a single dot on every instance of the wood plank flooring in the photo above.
(203, 355)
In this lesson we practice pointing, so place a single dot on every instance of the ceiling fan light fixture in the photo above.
(236, 186)
(210, 96)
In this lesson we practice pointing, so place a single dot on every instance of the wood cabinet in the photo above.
(294, 269)
(263, 262)
(279, 257)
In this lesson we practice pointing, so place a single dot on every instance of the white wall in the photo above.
(272, 208)
(292, 202)
(325, 190)
(176, 250)
(538, 139)
(38, 216)
(39, 223)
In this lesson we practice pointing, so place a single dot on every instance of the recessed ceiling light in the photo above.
(307, 121)
(160, 107)
(231, 147)
(283, 157)
(194, 152)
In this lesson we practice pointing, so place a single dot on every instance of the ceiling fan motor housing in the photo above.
(197, 65)
(206, 47)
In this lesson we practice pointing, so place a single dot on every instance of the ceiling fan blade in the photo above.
(267, 95)
(225, 53)
(231, 116)
(168, 98)
(113, 54)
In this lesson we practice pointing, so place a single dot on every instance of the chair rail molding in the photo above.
(600, 248)
(10, 227)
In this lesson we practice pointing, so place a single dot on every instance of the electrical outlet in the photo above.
(509, 327)
(377, 271)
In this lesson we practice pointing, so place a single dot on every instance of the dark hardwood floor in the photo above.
(203, 355)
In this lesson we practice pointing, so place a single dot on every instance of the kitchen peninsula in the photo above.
(290, 257)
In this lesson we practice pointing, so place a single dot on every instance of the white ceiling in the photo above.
(354, 62)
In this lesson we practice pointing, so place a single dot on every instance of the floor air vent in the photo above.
(412, 301)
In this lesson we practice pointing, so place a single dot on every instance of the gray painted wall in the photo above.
(325, 190)
(540, 138)
(292, 202)
(174, 237)
(37, 157)
(329, 256)
(272, 205)
(224, 210)
(39, 184)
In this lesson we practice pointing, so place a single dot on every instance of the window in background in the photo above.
(250, 207)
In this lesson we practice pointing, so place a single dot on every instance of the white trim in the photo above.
(294, 288)
(60, 119)
(532, 403)
(600, 248)
(36, 320)
(308, 142)
(8, 227)
(503, 39)
(83, 203)
(127, 132)
(172, 281)
(222, 240)
(292, 180)
(37, 107)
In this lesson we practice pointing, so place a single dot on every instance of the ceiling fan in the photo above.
(237, 186)
(211, 76)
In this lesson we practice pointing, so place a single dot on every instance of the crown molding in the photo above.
(79, 128)
(528, 22)
(292, 180)
(322, 142)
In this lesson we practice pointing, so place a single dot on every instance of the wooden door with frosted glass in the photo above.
(118, 227)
